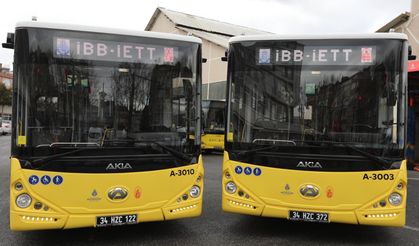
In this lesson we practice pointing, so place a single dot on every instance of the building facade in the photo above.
(6, 78)
(407, 23)
(214, 35)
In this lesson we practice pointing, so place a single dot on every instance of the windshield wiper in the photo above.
(43, 161)
(178, 155)
(246, 152)
(379, 161)
(52, 157)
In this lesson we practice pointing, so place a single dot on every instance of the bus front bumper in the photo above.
(22, 220)
(378, 217)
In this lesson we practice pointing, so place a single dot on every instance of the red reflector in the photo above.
(411, 102)
(413, 66)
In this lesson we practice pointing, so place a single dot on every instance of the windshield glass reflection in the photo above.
(280, 98)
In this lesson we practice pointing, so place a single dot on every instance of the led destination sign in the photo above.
(317, 55)
(99, 50)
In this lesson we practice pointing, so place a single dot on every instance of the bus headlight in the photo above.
(195, 191)
(231, 187)
(395, 199)
(23, 200)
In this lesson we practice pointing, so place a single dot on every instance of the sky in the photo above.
(277, 16)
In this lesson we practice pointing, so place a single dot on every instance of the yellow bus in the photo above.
(213, 112)
(319, 126)
(99, 137)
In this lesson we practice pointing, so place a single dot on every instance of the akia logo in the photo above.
(119, 166)
(309, 164)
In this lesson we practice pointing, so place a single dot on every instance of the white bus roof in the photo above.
(147, 34)
(273, 37)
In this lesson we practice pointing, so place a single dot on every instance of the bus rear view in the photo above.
(318, 127)
(97, 138)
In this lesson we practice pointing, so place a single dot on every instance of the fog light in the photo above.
(231, 187)
(18, 186)
(195, 191)
(185, 197)
(395, 199)
(37, 205)
(241, 193)
(383, 203)
(23, 200)
(227, 175)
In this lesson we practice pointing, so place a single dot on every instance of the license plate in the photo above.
(308, 216)
(115, 220)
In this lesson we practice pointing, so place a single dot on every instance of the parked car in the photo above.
(6, 127)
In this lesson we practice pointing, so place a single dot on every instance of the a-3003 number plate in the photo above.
(308, 216)
(115, 220)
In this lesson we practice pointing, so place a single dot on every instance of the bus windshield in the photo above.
(213, 116)
(127, 95)
(325, 97)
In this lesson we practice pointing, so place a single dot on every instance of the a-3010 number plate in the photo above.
(116, 220)
(308, 216)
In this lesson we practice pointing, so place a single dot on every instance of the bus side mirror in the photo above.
(10, 41)
(410, 56)
(224, 58)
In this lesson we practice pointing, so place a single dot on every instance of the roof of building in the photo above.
(219, 39)
(60, 26)
(396, 22)
(212, 30)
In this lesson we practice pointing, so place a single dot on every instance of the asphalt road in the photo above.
(214, 227)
